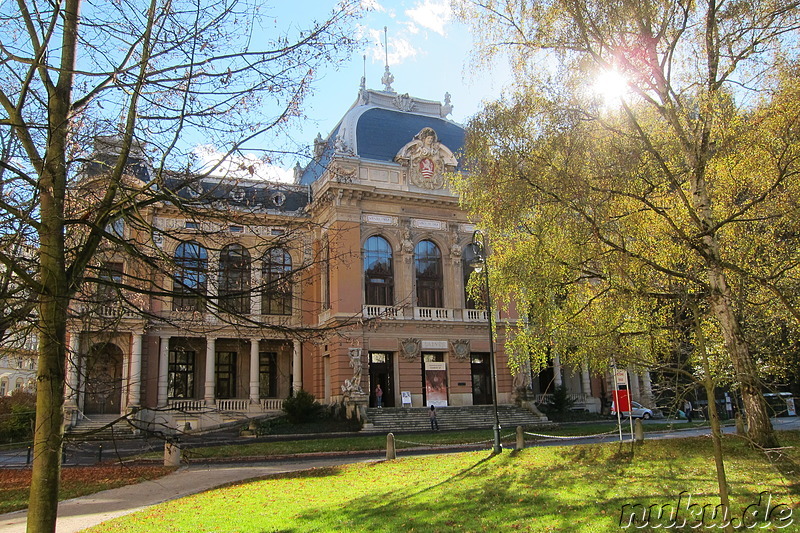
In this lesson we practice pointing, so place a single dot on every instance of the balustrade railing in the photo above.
(272, 404)
(187, 405)
(432, 313)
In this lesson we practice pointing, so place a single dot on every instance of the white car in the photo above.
(637, 411)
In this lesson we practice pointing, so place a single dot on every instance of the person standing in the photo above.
(378, 396)
(434, 421)
(687, 410)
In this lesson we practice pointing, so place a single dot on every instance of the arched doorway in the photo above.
(103, 388)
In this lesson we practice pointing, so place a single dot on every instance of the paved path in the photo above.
(80, 513)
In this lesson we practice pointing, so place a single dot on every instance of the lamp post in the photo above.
(480, 265)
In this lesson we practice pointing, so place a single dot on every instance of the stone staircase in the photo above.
(463, 417)
(100, 427)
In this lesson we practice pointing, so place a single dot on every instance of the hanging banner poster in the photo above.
(436, 384)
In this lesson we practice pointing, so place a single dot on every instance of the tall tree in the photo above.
(650, 187)
(171, 73)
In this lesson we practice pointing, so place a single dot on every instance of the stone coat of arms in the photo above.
(427, 159)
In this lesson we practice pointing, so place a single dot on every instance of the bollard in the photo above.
(739, 425)
(638, 430)
(391, 453)
(28, 460)
(100, 453)
(172, 454)
(520, 438)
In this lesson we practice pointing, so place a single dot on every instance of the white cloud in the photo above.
(372, 5)
(431, 14)
(400, 48)
(242, 166)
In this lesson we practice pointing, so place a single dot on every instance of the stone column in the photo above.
(72, 370)
(647, 388)
(557, 379)
(163, 370)
(297, 367)
(254, 392)
(634, 384)
(586, 382)
(135, 377)
(210, 370)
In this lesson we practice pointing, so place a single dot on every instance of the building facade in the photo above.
(350, 278)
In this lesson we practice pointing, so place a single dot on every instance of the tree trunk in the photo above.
(54, 291)
(759, 426)
(713, 416)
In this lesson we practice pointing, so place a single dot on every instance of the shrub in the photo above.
(17, 415)
(302, 407)
(560, 402)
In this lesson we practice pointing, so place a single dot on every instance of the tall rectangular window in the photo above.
(180, 375)
(225, 372)
(268, 374)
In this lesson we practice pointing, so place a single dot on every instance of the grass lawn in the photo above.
(75, 481)
(567, 488)
(403, 440)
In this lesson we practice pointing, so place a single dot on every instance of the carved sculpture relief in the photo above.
(354, 384)
(427, 159)
(410, 349)
(460, 349)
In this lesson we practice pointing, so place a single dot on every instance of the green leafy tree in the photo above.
(676, 182)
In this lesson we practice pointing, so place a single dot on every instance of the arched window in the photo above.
(378, 272)
(234, 279)
(277, 295)
(189, 285)
(430, 284)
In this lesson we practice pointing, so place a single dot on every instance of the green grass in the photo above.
(403, 440)
(567, 488)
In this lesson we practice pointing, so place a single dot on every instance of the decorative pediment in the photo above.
(427, 159)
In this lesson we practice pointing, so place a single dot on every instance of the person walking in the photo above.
(434, 421)
(687, 410)
(378, 396)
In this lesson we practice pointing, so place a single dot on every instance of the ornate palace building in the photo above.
(352, 277)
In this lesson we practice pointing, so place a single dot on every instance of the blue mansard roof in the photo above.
(379, 125)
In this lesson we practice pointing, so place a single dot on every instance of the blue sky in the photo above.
(428, 53)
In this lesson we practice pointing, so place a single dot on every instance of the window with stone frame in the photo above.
(180, 374)
(108, 287)
(225, 373)
(234, 279)
(276, 297)
(378, 272)
(190, 278)
(428, 274)
(268, 374)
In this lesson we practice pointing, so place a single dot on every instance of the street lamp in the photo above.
(479, 264)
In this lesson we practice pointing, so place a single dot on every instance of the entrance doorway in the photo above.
(434, 379)
(481, 379)
(103, 380)
(380, 373)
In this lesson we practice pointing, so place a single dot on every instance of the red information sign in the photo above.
(622, 400)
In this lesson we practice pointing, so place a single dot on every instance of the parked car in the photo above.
(637, 411)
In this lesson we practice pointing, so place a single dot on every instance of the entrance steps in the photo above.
(101, 427)
(463, 417)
